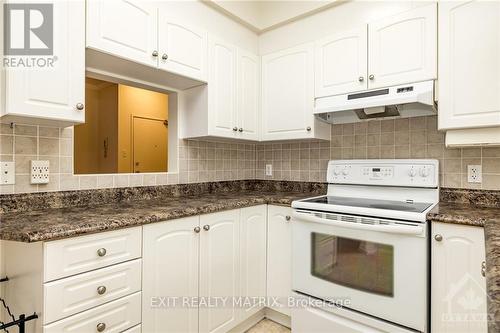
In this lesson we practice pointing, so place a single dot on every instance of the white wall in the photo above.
(339, 18)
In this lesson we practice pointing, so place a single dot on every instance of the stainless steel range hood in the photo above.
(409, 100)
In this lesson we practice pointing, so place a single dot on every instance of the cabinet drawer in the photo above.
(77, 255)
(135, 329)
(78, 293)
(117, 316)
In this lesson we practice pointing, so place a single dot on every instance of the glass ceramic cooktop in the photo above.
(415, 207)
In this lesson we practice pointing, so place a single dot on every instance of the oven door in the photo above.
(378, 267)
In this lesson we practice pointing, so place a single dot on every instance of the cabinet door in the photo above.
(182, 48)
(222, 89)
(341, 63)
(170, 268)
(125, 28)
(219, 270)
(288, 93)
(248, 68)
(279, 256)
(253, 237)
(54, 92)
(469, 64)
(403, 48)
(458, 287)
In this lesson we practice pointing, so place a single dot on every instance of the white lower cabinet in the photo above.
(279, 256)
(458, 286)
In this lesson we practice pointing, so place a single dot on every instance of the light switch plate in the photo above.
(7, 173)
(39, 172)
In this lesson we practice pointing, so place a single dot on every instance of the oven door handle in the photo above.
(393, 229)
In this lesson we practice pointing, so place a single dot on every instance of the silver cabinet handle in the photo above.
(101, 290)
(438, 237)
(240, 129)
(80, 106)
(361, 79)
(155, 53)
(197, 229)
(101, 252)
(483, 268)
(371, 77)
(288, 218)
(206, 227)
(164, 56)
(235, 128)
(308, 128)
(101, 327)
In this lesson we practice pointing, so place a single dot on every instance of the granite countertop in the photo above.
(50, 224)
(489, 218)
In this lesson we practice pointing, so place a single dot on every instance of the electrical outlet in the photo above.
(269, 169)
(39, 172)
(474, 174)
(7, 173)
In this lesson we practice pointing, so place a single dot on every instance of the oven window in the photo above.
(353, 263)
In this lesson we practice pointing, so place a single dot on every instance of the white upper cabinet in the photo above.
(469, 66)
(341, 63)
(248, 85)
(182, 48)
(52, 94)
(125, 28)
(222, 88)
(403, 48)
(288, 94)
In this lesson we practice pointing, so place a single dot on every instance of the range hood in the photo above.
(408, 100)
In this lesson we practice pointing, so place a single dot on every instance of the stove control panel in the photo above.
(411, 173)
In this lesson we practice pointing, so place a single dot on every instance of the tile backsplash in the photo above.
(201, 161)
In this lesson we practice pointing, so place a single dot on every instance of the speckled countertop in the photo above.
(489, 218)
(50, 224)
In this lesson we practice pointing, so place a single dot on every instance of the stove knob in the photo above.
(336, 172)
(345, 172)
(412, 173)
(424, 172)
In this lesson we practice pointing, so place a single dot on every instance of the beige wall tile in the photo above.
(25, 145)
(6, 144)
(48, 146)
(27, 130)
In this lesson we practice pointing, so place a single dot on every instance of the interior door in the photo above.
(248, 95)
(253, 236)
(341, 63)
(288, 93)
(469, 64)
(222, 89)
(182, 48)
(170, 260)
(28, 92)
(219, 270)
(150, 144)
(125, 28)
(403, 48)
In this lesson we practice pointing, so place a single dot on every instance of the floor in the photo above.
(268, 326)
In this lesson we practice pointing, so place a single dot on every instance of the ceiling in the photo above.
(264, 15)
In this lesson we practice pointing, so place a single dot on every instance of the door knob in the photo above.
(361, 79)
(438, 237)
(80, 106)
(155, 53)
(371, 77)
(101, 252)
(206, 227)
(240, 129)
(101, 327)
(164, 56)
(308, 128)
(235, 128)
(197, 229)
(288, 218)
(101, 290)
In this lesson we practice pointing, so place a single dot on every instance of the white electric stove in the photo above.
(367, 240)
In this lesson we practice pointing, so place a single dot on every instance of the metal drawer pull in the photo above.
(483, 268)
(101, 290)
(197, 229)
(361, 79)
(288, 218)
(235, 128)
(206, 227)
(371, 77)
(80, 106)
(155, 53)
(101, 252)
(101, 327)
(438, 237)
(164, 56)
